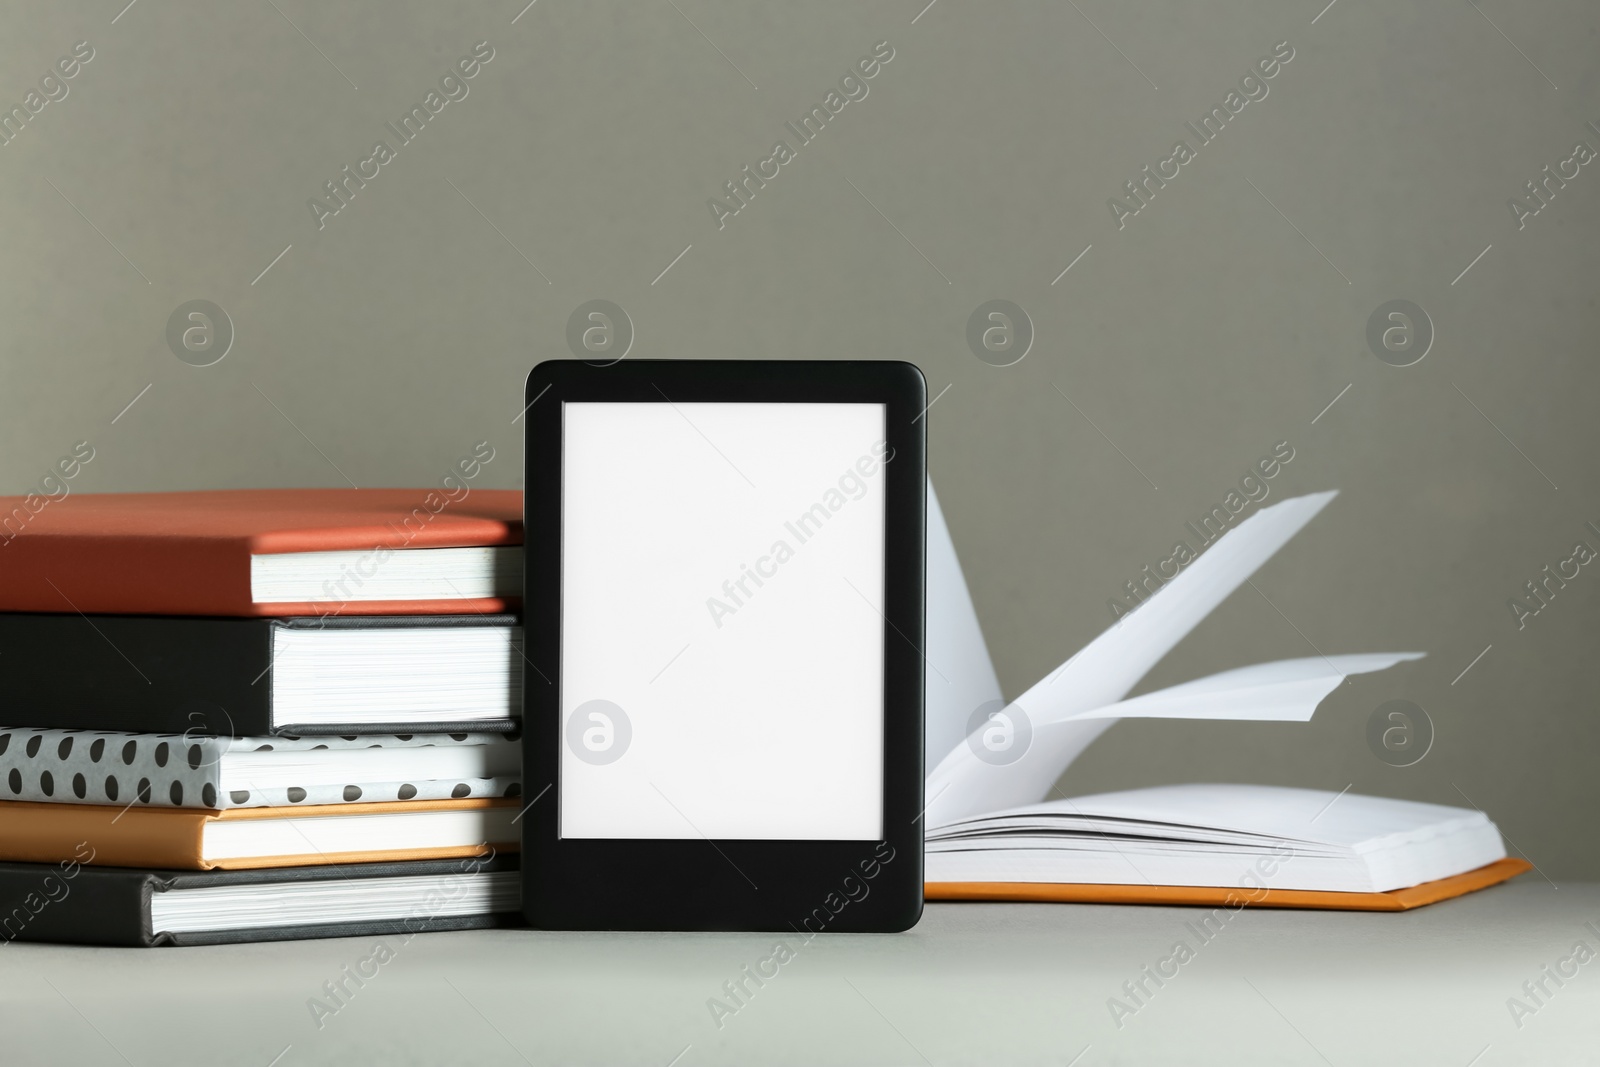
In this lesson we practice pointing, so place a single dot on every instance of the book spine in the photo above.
(140, 674)
(131, 836)
(157, 575)
(71, 903)
(91, 767)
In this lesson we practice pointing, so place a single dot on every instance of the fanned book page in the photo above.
(1064, 713)
(1286, 690)
(959, 675)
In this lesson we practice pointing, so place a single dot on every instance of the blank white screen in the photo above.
(755, 704)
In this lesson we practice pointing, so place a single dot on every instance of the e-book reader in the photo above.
(723, 630)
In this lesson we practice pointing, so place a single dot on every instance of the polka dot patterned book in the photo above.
(174, 771)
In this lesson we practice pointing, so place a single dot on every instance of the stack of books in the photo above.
(274, 714)
(259, 714)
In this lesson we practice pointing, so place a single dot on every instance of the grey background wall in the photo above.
(1223, 318)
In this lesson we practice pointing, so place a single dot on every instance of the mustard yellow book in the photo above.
(245, 838)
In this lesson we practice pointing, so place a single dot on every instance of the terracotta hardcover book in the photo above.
(263, 552)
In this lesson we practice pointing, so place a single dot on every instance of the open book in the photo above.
(992, 834)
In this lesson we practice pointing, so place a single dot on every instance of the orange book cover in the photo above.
(189, 553)
(1222, 896)
(170, 838)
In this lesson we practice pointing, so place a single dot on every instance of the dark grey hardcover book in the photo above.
(259, 677)
(72, 903)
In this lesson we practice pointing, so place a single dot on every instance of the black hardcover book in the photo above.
(260, 677)
(117, 906)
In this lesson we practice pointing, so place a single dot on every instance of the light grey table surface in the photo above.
(971, 984)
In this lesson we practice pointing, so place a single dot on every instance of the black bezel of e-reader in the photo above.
(798, 887)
